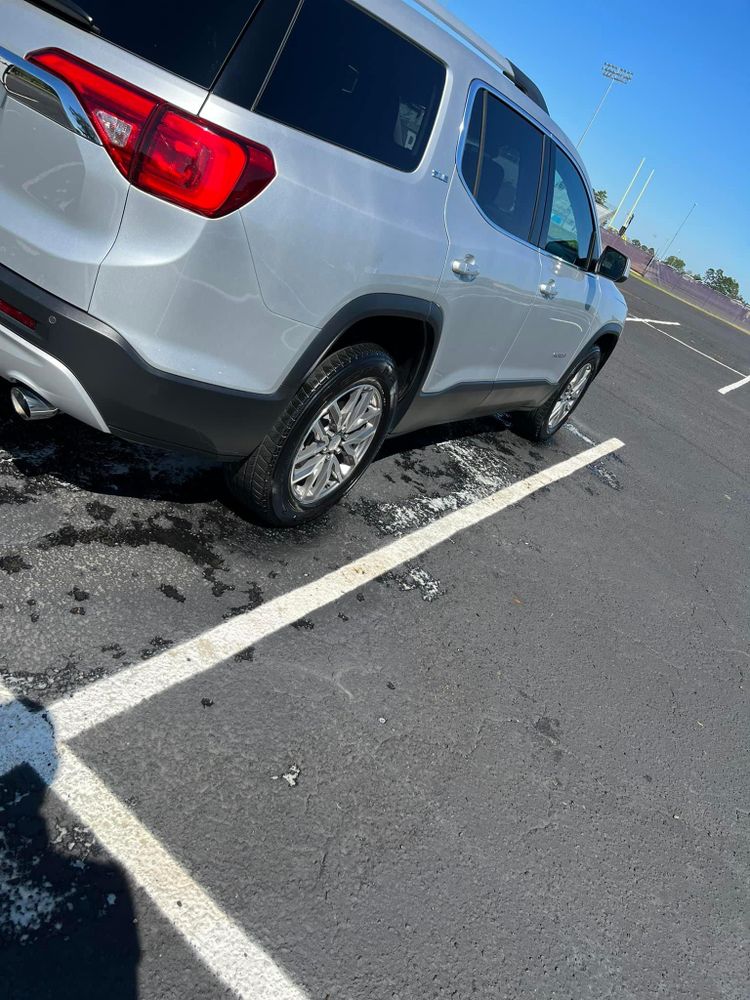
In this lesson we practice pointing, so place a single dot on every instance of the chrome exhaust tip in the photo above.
(29, 406)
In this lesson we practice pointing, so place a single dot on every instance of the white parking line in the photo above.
(236, 961)
(129, 687)
(650, 324)
(663, 322)
(735, 385)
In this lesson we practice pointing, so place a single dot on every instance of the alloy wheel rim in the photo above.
(570, 396)
(336, 442)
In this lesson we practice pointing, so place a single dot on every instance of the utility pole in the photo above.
(615, 74)
(611, 223)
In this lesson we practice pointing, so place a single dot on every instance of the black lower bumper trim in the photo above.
(136, 401)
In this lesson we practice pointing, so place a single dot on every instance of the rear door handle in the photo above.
(548, 289)
(466, 268)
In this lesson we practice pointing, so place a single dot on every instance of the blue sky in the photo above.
(686, 109)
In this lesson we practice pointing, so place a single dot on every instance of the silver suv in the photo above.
(276, 231)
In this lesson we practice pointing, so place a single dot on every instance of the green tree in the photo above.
(676, 262)
(720, 282)
(636, 243)
(600, 197)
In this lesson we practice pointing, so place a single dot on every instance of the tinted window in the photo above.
(244, 75)
(569, 226)
(502, 164)
(190, 39)
(345, 77)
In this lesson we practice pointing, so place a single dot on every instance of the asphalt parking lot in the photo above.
(514, 764)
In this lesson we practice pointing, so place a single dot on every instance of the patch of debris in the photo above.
(417, 578)
(55, 680)
(304, 624)
(245, 655)
(291, 776)
(172, 593)
(100, 511)
(599, 470)
(55, 883)
(254, 599)
(470, 470)
(13, 563)
(157, 645)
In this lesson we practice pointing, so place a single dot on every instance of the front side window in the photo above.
(569, 226)
(502, 164)
(346, 77)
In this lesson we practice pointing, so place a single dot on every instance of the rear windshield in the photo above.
(349, 79)
(342, 76)
(189, 39)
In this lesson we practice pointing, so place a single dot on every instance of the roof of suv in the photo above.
(529, 96)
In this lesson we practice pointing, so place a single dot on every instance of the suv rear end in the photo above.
(75, 161)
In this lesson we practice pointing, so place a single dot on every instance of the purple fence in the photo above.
(692, 292)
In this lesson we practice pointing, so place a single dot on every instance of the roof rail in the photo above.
(507, 68)
(468, 34)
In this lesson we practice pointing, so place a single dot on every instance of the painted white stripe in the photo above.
(235, 960)
(735, 385)
(111, 696)
(662, 322)
(217, 940)
(677, 340)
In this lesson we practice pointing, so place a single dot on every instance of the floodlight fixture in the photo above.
(615, 74)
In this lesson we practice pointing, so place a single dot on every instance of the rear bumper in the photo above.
(87, 369)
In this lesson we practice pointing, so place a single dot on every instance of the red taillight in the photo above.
(160, 149)
(117, 111)
(16, 314)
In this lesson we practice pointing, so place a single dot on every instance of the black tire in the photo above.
(534, 424)
(262, 483)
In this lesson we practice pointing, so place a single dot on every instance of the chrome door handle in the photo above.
(466, 268)
(548, 289)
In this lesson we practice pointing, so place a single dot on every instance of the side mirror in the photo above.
(613, 265)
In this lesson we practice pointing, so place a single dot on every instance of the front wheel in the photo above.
(324, 441)
(546, 420)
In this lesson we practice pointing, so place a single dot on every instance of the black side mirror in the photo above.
(613, 265)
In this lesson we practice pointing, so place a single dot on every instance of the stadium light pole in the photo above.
(615, 74)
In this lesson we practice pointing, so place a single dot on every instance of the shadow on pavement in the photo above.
(64, 451)
(67, 927)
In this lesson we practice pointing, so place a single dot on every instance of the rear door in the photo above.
(562, 318)
(492, 273)
(61, 196)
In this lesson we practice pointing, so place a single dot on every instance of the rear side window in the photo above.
(502, 164)
(569, 226)
(189, 39)
(346, 77)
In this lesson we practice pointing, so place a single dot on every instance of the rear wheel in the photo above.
(323, 442)
(546, 420)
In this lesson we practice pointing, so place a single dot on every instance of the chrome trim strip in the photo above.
(39, 90)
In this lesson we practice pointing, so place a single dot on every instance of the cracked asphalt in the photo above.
(515, 768)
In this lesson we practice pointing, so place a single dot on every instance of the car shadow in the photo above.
(64, 451)
(67, 922)
(496, 424)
